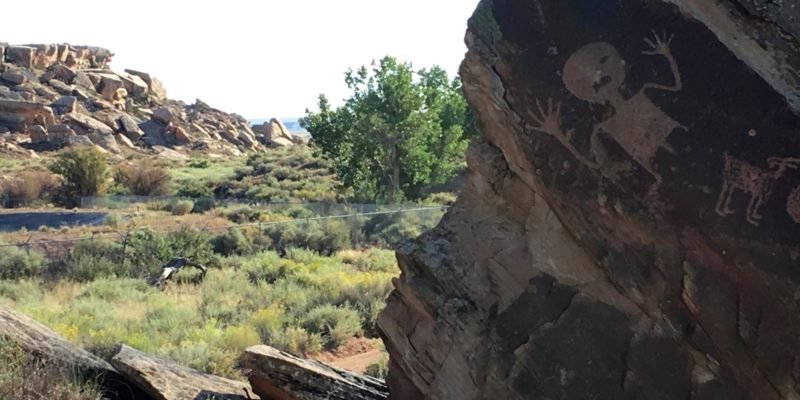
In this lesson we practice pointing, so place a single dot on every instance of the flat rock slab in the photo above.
(282, 376)
(38, 339)
(165, 380)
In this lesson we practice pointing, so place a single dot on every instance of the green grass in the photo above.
(301, 303)
(216, 171)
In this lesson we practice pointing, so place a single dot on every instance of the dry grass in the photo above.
(29, 186)
(24, 377)
(143, 179)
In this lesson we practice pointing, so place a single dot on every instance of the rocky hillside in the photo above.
(53, 96)
(631, 225)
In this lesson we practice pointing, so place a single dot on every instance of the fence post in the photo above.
(125, 248)
(28, 244)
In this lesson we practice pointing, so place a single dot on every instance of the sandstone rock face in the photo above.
(164, 380)
(630, 228)
(278, 375)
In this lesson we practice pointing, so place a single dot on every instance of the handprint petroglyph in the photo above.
(595, 73)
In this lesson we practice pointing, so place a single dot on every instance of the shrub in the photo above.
(378, 369)
(335, 324)
(203, 204)
(243, 214)
(238, 338)
(194, 189)
(83, 172)
(29, 187)
(90, 260)
(264, 267)
(199, 163)
(371, 260)
(112, 220)
(181, 207)
(16, 263)
(326, 236)
(268, 322)
(233, 242)
(143, 179)
(148, 250)
(20, 291)
(442, 198)
(297, 341)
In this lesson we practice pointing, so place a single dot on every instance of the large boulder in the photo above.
(65, 104)
(83, 81)
(278, 375)
(84, 124)
(20, 115)
(38, 134)
(156, 88)
(134, 84)
(79, 141)
(128, 127)
(164, 380)
(61, 87)
(108, 85)
(163, 114)
(106, 142)
(277, 129)
(63, 73)
(35, 338)
(20, 55)
(14, 77)
(59, 134)
(155, 133)
(627, 230)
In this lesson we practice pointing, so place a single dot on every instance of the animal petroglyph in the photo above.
(755, 181)
(793, 205)
(595, 73)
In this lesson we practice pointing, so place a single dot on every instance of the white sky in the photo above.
(259, 59)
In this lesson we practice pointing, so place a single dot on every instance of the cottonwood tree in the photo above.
(400, 131)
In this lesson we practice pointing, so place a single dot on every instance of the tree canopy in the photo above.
(400, 131)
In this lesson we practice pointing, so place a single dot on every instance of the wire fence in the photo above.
(360, 224)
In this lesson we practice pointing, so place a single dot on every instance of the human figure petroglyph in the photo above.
(793, 205)
(595, 73)
(755, 181)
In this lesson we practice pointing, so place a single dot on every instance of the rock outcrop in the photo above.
(631, 225)
(164, 380)
(278, 375)
(49, 85)
(37, 339)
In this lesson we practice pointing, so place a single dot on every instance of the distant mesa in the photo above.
(60, 95)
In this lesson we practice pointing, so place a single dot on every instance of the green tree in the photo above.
(400, 131)
(84, 172)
